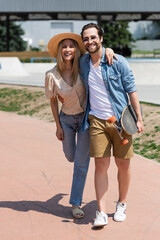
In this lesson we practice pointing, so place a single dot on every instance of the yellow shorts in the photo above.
(104, 136)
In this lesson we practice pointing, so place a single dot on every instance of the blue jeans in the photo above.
(76, 149)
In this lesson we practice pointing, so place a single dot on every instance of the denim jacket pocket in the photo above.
(114, 77)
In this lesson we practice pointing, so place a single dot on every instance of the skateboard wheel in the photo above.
(112, 119)
(123, 142)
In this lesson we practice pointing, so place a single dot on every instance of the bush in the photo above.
(118, 37)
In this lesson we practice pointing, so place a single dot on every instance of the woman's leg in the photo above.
(69, 131)
(81, 163)
(76, 151)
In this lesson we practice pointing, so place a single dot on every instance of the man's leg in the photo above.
(100, 149)
(101, 187)
(123, 176)
(101, 181)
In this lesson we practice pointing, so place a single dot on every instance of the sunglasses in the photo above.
(92, 38)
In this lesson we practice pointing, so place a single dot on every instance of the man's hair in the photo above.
(92, 25)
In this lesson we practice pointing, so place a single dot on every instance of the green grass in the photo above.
(142, 52)
(148, 149)
(157, 128)
(20, 100)
(150, 104)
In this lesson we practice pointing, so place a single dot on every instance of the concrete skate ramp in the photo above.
(146, 71)
(11, 66)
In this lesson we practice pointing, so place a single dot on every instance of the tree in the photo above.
(157, 25)
(118, 37)
(16, 43)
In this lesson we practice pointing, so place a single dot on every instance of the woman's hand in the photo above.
(59, 133)
(109, 56)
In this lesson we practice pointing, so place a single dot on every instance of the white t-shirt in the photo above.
(100, 105)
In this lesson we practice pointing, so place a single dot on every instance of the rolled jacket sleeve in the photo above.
(128, 79)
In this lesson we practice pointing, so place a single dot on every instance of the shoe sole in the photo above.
(119, 220)
(100, 225)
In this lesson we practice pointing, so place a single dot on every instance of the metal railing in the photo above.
(43, 58)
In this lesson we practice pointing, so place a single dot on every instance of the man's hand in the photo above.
(140, 126)
(135, 104)
(109, 56)
(60, 99)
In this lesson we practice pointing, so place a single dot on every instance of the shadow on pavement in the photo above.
(53, 207)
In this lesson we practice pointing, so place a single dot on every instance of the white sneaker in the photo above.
(101, 219)
(120, 214)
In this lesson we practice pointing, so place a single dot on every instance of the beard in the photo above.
(97, 47)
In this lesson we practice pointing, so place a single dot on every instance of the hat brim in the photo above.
(54, 42)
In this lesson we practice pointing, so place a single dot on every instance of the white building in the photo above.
(38, 33)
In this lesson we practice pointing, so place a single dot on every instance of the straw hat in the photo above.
(54, 42)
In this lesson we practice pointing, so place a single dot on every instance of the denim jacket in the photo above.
(118, 80)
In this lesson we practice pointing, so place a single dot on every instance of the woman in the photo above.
(63, 81)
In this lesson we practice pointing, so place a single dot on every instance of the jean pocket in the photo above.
(90, 117)
(62, 116)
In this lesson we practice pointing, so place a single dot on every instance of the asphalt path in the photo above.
(35, 181)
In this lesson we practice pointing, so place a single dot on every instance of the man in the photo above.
(107, 88)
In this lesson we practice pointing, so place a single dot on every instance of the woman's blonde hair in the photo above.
(75, 61)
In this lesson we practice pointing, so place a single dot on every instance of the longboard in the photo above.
(128, 123)
(129, 120)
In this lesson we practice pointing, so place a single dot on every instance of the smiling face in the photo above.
(91, 40)
(68, 50)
